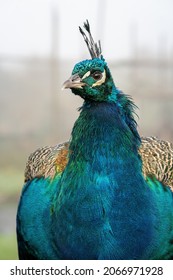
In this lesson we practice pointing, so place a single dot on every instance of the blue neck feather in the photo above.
(104, 126)
(102, 187)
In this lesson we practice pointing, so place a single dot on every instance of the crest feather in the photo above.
(94, 48)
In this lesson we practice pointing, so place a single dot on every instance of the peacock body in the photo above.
(103, 194)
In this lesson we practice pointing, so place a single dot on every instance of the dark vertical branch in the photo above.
(162, 60)
(53, 71)
(101, 18)
(134, 55)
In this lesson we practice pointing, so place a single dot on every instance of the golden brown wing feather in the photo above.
(157, 160)
(47, 161)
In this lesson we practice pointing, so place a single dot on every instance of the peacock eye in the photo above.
(97, 75)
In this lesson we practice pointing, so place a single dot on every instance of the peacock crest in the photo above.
(94, 48)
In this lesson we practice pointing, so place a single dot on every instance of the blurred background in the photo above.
(40, 43)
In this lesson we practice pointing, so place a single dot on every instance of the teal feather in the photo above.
(97, 204)
(33, 219)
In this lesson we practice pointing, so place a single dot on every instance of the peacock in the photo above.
(104, 194)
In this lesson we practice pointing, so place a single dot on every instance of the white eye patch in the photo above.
(101, 81)
(87, 74)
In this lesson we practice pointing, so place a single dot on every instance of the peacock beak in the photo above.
(73, 82)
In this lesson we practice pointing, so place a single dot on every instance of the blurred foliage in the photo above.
(8, 247)
(11, 181)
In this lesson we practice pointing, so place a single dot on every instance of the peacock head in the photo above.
(91, 79)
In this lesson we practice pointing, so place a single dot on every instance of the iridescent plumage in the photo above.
(105, 194)
(156, 155)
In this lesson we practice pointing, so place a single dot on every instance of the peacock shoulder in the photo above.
(47, 161)
(156, 155)
(157, 159)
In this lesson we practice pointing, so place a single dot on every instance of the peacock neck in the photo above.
(101, 187)
(102, 132)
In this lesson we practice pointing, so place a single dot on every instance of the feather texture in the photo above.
(157, 159)
(105, 194)
(156, 154)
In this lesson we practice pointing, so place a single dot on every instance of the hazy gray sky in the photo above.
(25, 26)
